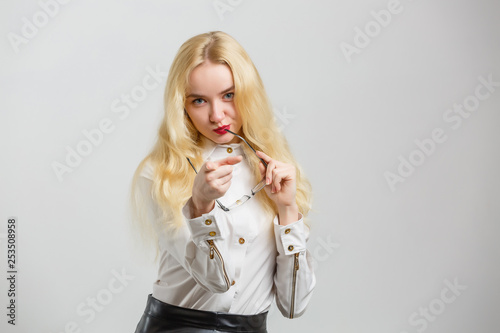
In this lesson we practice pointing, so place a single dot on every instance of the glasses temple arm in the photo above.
(263, 162)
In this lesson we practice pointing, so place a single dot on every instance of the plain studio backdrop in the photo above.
(391, 107)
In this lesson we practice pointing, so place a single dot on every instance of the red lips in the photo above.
(221, 130)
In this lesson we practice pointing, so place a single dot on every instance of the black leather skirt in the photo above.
(160, 317)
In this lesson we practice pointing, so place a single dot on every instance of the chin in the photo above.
(220, 139)
(223, 142)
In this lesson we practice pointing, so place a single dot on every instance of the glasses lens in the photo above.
(259, 186)
(239, 202)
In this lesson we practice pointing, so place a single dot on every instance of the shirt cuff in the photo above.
(291, 238)
(206, 226)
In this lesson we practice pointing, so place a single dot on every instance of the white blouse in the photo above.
(236, 261)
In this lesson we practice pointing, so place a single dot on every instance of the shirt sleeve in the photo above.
(294, 278)
(200, 245)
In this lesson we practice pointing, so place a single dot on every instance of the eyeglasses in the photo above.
(253, 191)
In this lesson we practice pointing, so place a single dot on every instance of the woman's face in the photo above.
(210, 102)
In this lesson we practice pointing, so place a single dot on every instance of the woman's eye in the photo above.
(229, 95)
(198, 101)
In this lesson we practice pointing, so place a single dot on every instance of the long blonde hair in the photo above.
(178, 138)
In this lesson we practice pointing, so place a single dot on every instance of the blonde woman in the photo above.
(226, 248)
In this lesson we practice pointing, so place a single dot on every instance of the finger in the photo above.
(269, 172)
(261, 157)
(210, 166)
(278, 176)
(224, 180)
(215, 175)
(230, 160)
(223, 171)
(266, 158)
(276, 181)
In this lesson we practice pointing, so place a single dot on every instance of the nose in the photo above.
(216, 112)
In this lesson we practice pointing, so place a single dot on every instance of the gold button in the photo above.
(242, 240)
(290, 248)
(212, 233)
(229, 150)
(232, 283)
(208, 221)
(287, 231)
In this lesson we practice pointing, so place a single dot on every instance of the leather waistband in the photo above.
(219, 321)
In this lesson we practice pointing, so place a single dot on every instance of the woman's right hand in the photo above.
(212, 182)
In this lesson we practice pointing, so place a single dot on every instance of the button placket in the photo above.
(238, 252)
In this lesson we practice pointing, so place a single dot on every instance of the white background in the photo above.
(383, 255)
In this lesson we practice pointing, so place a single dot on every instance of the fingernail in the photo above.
(268, 181)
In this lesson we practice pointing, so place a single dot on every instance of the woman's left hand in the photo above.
(282, 178)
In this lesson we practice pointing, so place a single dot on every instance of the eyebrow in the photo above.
(221, 93)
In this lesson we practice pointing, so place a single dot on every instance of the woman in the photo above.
(223, 255)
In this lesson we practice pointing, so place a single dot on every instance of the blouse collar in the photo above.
(210, 147)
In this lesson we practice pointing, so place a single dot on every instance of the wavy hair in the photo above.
(178, 138)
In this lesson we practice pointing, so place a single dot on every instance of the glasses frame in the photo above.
(254, 190)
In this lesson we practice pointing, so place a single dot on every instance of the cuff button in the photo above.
(290, 248)
(229, 150)
(212, 233)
